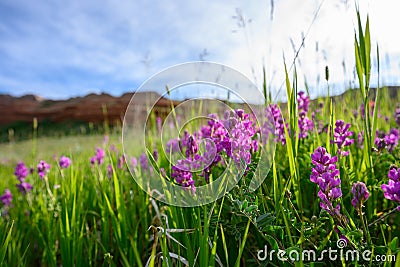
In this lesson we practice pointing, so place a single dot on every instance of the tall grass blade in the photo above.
(5, 243)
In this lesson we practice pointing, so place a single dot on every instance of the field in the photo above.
(329, 192)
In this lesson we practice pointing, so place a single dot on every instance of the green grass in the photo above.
(47, 147)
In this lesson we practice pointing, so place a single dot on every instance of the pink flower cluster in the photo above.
(231, 137)
(325, 175)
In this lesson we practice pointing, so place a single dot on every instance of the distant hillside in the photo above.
(91, 108)
(96, 108)
(393, 91)
(94, 113)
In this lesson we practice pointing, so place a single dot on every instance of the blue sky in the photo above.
(59, 49)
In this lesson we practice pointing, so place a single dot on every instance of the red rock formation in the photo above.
(91, 108)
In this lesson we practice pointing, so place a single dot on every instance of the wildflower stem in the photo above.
(46, 180)
(172, 107)
(382, 217)
(365, 229)
(295, 211)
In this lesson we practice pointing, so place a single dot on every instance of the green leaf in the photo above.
(394, 244)
(4, 246)
(361, 40)
(359, 67)
(251, 208)
(265, 219)
(241, 249)
(367, 41)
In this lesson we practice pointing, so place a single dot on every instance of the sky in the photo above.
(63, 49)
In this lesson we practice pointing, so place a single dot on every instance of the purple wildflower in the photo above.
(233, 135)
(121, 162)
(172, 146)
(392, 139)
(397, 116)
(321, 127)
(6, 198)
(320, 107)
(144, 162)
(305, 125)
(24, 187)
(371, 105)
(355, 113)
(240, 113)
(163, 173)
(362, 111)
(191, 147)
(43, 168)
(185, 138)
(109, 171)
(241, 141)
(184, 178)
(99, 157)
(380, 140)
(210, 157)
(303, 101)
(216, 131)
(388, 141)
(113, 149)
(341, 137)
(325, 175)
(274, 124)
(64, 162)
(360, 195)
(255, 145)
(134, 162)
(191, 164)
(392, 189)
(360, 140)
(394, 174)
(21, 171)
(155, 154)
